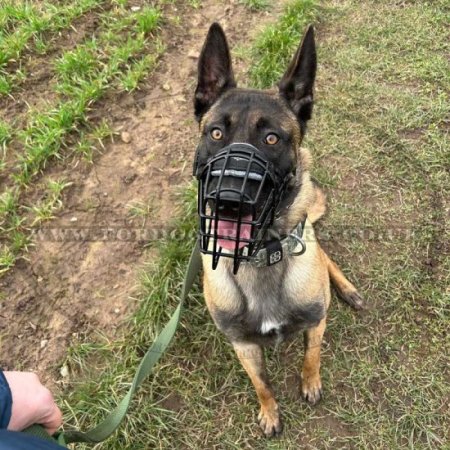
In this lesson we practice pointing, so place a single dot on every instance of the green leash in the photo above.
(110, 424)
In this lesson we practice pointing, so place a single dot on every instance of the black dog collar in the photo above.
(276, 249)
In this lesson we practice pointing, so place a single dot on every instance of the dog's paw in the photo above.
(352, 298)
(270, 420)
(312, 389)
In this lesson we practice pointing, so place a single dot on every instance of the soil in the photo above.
(71, 286)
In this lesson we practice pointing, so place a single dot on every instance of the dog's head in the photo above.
(272, 123)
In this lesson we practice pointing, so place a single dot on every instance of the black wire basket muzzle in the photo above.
(238, 194)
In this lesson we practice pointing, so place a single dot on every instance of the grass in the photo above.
(256, 5)
(5, 138)
(380, 143)
(379, 128)
(93, 141)
(141, 210)
(13, 13)
(5, 133)
(7, 259)
(34, 25)
(381, 147)
(148, 19)
(45, 209)
(121, 54)
(139, 70)
(272, 49)
(34, 21)
(84, 74)
(9, 81)
(195, 3)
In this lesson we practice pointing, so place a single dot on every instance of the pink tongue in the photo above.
(229, 229)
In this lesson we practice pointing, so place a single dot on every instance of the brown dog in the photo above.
(264, 305)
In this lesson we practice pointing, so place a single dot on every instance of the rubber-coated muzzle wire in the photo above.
(238, 175)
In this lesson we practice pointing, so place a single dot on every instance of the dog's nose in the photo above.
(230, 208)
(234, 208)
(230, 199)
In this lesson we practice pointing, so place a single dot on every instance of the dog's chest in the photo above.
(265, 298)
(270, 306)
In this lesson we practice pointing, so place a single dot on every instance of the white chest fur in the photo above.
(270, 325)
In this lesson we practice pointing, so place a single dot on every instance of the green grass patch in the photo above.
(137, 72)
(34, 21)
(5, 134)
(148, 19)
(45, 209)
(16, 219)
(256, 5)
(7, 258)
(379, 137)
(119, 57)
(6, 84)
(9, 81)
(381, 147)
(115, 56)
(8, 204)
(92, 142)
(13, 13)
(274, 47)
(36, 24)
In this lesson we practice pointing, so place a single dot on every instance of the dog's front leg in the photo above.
(311, 383)
(252, 359)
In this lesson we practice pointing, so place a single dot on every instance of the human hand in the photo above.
(32, 403)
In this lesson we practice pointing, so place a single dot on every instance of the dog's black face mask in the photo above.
(238, 195)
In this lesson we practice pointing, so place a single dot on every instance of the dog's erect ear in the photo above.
(297, 83)
(215, 73)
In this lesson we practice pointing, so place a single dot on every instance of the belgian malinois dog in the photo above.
(258, 134)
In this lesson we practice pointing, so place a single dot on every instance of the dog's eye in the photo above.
(271, 139)
(216, 134)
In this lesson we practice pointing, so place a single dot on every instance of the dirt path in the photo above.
(82, 273)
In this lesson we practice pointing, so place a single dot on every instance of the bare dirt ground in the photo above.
(72, 285)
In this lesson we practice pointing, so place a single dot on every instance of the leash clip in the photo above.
(299, 241)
